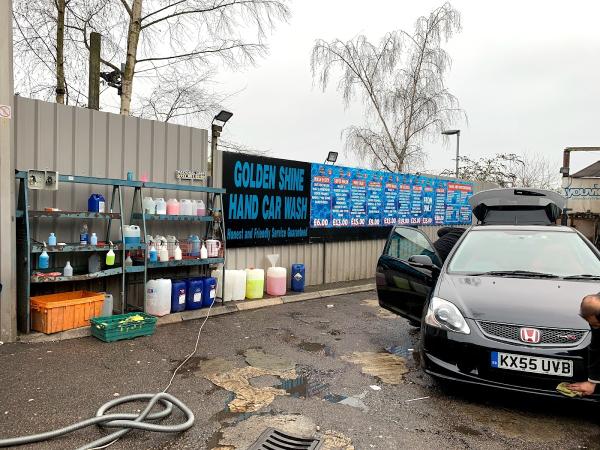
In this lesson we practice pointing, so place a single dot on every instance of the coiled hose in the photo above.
(124, 421)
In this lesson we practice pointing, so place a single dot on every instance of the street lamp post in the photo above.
(457, 133)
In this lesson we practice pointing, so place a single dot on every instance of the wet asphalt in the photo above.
(46, 386)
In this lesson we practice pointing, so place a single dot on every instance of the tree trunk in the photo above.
(133, 37)
(60, 51)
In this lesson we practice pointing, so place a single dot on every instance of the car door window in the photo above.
(406, 242)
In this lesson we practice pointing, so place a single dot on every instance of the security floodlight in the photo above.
(223, 116)
(450, 132)
(331, 157)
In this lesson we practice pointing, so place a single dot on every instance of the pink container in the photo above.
(172, 207)
(276, 280)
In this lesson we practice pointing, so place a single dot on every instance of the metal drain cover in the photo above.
(273, 439)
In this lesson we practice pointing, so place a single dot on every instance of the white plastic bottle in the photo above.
(203, 252)
(177, 252)
(163, 253)
(94, 239)
(68, 270)
(128, 260)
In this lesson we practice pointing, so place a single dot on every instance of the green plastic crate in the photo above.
(122, 326)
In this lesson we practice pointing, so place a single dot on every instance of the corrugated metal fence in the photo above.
(78, 141)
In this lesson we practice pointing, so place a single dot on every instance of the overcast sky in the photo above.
(525, 72)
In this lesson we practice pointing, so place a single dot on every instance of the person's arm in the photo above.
(588, 387)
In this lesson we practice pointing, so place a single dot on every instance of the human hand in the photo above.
(585, 387)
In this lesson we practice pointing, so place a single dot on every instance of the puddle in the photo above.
(389, 368)
(259, 359)
(382, 313)
(316, 347)
(305, 387)
(309, 387)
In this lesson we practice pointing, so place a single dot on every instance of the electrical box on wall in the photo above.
(51, 181)
(42, 179)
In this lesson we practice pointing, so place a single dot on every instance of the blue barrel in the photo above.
(178, 295)
(194, 294)
(210, 291)
(298, 277)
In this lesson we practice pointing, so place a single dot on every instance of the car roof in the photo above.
(556, 228)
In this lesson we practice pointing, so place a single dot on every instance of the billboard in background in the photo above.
(267, 200)
(352, 198)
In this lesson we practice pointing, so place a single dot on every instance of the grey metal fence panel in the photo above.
(79, 141)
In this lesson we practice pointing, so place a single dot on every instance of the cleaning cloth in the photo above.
(564, 390)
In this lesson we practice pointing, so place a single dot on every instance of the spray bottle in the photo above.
(110, 256)
(44, 261)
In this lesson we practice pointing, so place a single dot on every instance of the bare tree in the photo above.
(158, 40)
(186, 36)
(509, 170)
(401, 84)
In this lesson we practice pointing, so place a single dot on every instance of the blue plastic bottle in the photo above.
(44, 260)
(194, 294)
(96, 203)
(52, 240)
(178, 295)
(153, 254)
(298, 277)
(209, 292)
(194, 242)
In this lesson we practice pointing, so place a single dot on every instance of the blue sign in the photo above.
(349, 197)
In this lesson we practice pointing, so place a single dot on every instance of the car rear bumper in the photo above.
(466, 359)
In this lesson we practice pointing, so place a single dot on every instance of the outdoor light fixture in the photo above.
(222, 117)
(457, 133)
(331, 157)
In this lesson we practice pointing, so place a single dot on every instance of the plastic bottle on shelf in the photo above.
(172, 207)
(94, 239)
(185, 207)
(203, 252)
(201, 208)
(163, 254)
(160, 205)
(84, 237)
(110, 256)
(149, 205)
(128, 260)
(94, 263)
(177, 252)
(152, 254)
(44, 261)
(68, 270)
(52, 240)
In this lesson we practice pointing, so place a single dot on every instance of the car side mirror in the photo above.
(422, 261)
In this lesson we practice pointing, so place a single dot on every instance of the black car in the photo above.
(502, 310)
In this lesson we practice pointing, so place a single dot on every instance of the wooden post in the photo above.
(94, 72)
(8, 295)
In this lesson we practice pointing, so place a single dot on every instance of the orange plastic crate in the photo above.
(59, 312)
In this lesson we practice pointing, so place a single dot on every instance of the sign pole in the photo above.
(8, 302)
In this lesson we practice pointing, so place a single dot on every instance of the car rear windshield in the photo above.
(552, 252)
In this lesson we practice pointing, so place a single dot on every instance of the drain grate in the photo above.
(272, 439)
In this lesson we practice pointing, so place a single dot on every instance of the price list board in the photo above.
(353, 198)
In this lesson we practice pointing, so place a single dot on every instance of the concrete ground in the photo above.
(297, 366)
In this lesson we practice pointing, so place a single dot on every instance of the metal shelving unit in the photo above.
(28, 247)
(213, 218)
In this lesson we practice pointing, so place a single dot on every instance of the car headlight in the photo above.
(443, 314)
